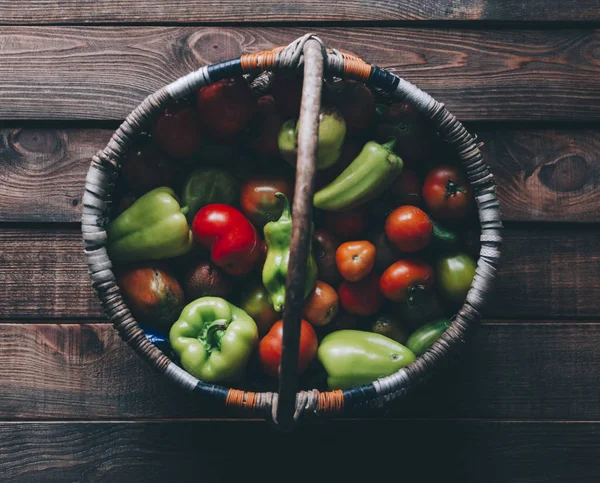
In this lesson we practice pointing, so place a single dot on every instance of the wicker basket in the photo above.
(307, 52)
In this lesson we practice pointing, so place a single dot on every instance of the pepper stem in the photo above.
(286, 213)
(185, 210)
(212, 334)
(389, 146)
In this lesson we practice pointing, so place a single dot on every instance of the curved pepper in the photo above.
(152, 228)
(214, 339)
(424, 337)
(371, 172)
(354, 357)
(278, 236)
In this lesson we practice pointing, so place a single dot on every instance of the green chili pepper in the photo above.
(354, 357)
(152, 228)
(424, 337)
(214, 339)
(371, 172)
(278, 236)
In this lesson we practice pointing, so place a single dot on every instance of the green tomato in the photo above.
(424, 337)
(455, 274)
(257, 304)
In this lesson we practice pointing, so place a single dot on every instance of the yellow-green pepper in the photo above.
(278, 235)
(152, 228)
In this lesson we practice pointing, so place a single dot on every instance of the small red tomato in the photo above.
(269, 349)
(407, 189)
(226, 107)
(322, 304)
(324, 248)
(287, 91)
(258, 200)
(266, 131)
(178, 131)
(348, 224)
(404, 278)
(446, 193)
(408, 228)
(355, 259)
(362, 297)
(232, 239)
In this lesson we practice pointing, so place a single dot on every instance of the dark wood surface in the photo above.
(164, 11)
(520, 404)
(104, 72)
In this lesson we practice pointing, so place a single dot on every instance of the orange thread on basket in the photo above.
(356, 67)
(235, 397)
(251, 398)
(331, 401)
(264, 60)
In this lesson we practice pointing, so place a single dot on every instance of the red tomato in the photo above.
(355, 259)
(409, 228)
(446, 193)
(178, 131)
(269, 349)
(407, 188)
(226, 107)
(258, 200)
(268, 122)
(362, 297)
(405, 277)
(232, 239)
(347, 224)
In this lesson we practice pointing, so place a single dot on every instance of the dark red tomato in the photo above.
(407, 189)
(362, 297)
(269, 349)
(146, 168)
(409, 228)
(226, 107)
(287, 91)
(347, 224)
(268, 124)
(350, 150)
(178, 131)
(403, 279)
(356, 103)
(415, 140)
(258, 200)
(446, 193)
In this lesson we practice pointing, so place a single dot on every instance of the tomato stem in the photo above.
(452, 187)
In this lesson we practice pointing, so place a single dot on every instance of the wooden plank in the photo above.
(542, 174)
(469, 451)
(546, 272)
(515, 370)
(103, 73)
(162, 11)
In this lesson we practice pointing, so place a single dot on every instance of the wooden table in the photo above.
(521, 405)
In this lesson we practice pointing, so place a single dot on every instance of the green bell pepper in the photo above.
(354, 357)
(424, 337)
(205, 186)
(152, 228)
(278, 236)
(214, 339)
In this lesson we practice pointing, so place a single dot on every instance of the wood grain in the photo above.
(163, 11)
(469, 451)
(72, 371)
(103, 73)
(545, 272)
(542, 174)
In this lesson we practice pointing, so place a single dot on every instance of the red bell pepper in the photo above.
(232, 239)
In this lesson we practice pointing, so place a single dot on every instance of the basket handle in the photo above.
(301, 231)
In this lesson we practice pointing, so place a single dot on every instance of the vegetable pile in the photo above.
(200, 234)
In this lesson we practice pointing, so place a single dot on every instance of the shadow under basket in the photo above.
(288, 405)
